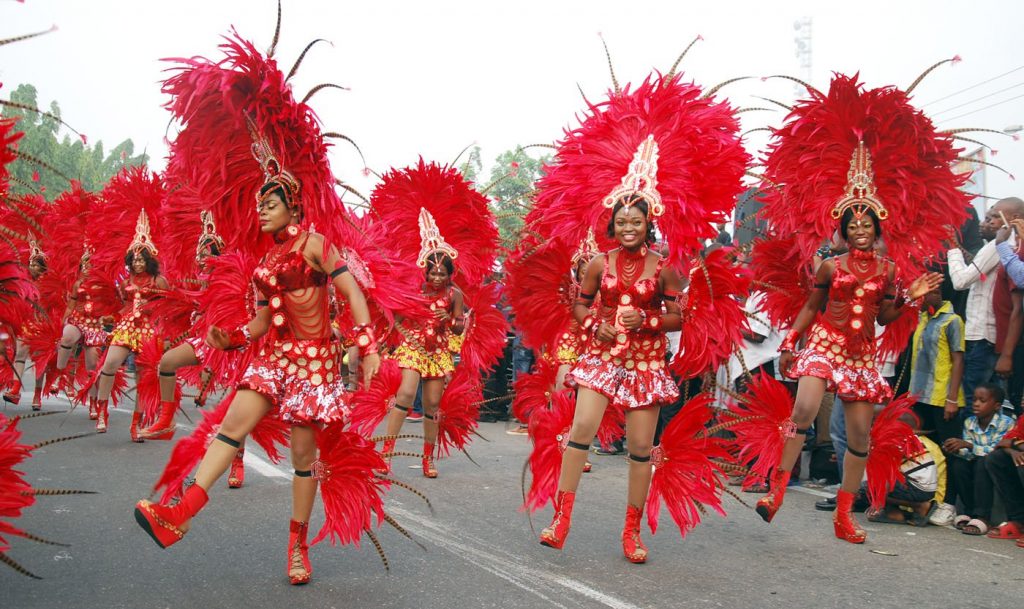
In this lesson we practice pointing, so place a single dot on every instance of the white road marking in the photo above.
(265, 467)
(811, 491)
(988, 553)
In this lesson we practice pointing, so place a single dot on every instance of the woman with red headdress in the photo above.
(660, 153)
(855, 159)
(36, 269)
(133, 325)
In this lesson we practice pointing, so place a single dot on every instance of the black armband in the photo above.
(262, 303)
(821, 286)
(587, 296)
(338, 271)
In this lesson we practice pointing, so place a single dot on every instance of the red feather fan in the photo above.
(897, 334)
(15, 492)
(352, 492)
(532, 390)
(809, 157)
(272, 434)
(540, 290)
(486, 330)
(713, 317)
(891, 441)
(763, 420)
(613, 425)
(784, 276)
(685, 476)
(700, 164)
(370, 405)
(549, 432)
(458, 414)
(189, 451)
(147, 389)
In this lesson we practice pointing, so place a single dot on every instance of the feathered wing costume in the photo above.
(681, 148)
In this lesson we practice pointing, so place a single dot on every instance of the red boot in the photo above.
(632, 546)
(14, 395)
(769, 505)
(387, 449)
(429, 471)
(163, 523)
(94, 412)
(298, 549)
(101, 416)
(37, 398)
(556, 532)
(136, 429)
(236, 475)
(845, 526)
(163, 427)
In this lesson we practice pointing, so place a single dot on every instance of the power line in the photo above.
(977, 99)
(984, 108)
(1021, 67)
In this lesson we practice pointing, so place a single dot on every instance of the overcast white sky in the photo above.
(430, 77)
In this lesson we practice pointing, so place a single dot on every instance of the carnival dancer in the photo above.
(133, 325)
(82, 321)
(36, 268)
(664, 153)
(877, 162)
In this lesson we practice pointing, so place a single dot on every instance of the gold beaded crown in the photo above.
(273, 172)
(143, 239)
(641, 180)
(431, 241)
(860, 188)
(209, 235)
(587, 250)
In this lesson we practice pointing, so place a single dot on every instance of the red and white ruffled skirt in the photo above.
(854, 378)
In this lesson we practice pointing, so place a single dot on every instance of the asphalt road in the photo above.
(480, 551)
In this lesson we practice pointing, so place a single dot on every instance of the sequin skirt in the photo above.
(301, 380)
(430, 365)
(201, 349)
(633, 377)
(852, 378)
(91, 328)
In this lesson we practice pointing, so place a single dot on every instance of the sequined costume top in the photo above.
(298, 366)
(841, 343)
(133, 326)
(631, 370)
(427, 347)
(84, 314)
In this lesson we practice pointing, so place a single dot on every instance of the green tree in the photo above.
(472, 165)
(68, 156)
(512, 184)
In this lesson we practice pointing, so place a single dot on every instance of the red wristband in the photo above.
(365, 340)
(789, 344)
(239, 338)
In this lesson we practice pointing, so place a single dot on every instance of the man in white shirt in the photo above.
(978, 276)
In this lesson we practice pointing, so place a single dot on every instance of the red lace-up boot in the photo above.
(163, 427)
(556, 532)
(632, 546)
(769, 505)
(163, 523)
(297, 548)
(845, 526)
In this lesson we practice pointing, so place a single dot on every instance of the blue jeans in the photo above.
(837, 430)
(979, 363)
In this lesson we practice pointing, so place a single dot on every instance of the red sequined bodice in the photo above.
(296, 292)
(854, 301)
(137, 292)
(642, 295)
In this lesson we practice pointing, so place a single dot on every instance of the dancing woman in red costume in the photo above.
(133, 325)
(624, 362)
(81, 323)
(424, 355)
(294, 376)
(863, 159)
(36, 268)
(840, 352)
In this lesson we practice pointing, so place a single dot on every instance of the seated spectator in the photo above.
(1006, 466)
(966, 459)
(937, 368)
(920, 490)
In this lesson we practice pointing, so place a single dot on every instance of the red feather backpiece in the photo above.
(486, 329)
(352, 492)
(701, 162)
(713, 317)
(112, 221)
(763, 420)
(371, 405)
(458, 414)
(809, 157)
(539, 287)
(532, 391)
(686, 477)
(549, 432)
(784, 275)
(891, 441)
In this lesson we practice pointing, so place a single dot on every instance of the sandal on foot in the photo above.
(976, 526)
(961, 521)
(1006, 530)
(917, 520)
(883, 517)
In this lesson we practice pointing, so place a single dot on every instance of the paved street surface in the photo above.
(480, 549)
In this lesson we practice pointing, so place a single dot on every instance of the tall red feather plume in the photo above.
(761, 424)
(370, 405)
(353, 495)
(891, 440)
(701, 162)
(685, 477)
(549, 432)
(189, 451)
(809, 157)
(459, 411)
(713, 318)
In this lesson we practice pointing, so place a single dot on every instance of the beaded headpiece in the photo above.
(860, 188)
(143, 240)
(34, 251)
(431, 241)
(273, 173)
(587, 250)
(209, 236)
(641, 180)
